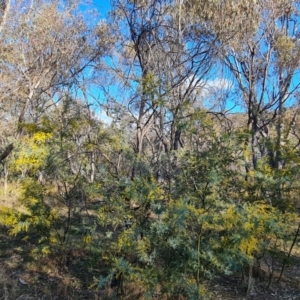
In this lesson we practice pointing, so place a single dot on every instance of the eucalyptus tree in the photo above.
(262, 54)
(162, 58)
(4, 10)
(45, 49)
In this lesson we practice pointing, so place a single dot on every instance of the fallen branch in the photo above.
(6, 152)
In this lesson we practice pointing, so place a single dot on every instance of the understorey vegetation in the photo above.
(150, 151)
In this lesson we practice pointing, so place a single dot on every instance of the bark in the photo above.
(5, 8)
(6, 152)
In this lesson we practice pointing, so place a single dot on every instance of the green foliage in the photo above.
(31, 153)
(161, 221)
(203, 225)
(34, 218)
(171, 236)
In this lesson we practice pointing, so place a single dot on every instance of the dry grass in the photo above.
(9, 195)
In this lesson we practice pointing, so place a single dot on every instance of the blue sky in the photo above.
(102, 6)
